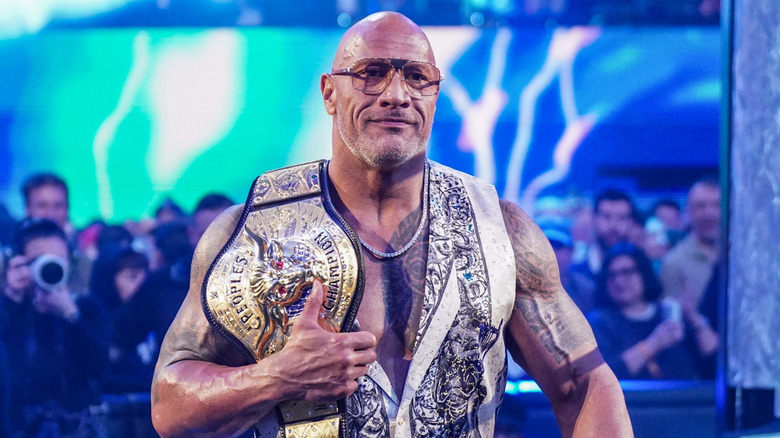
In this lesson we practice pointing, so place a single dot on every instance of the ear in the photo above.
(328, 93)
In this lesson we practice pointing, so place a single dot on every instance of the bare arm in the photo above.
(203, 386)
(550, 338)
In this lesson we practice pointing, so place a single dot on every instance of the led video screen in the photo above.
(131, 116)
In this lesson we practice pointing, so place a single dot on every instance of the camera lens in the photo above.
(49, 271)
(52, 273)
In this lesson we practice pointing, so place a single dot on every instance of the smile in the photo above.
(392, 122)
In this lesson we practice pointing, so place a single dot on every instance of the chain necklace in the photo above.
(388, 255)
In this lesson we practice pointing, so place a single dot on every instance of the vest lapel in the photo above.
(442, 299)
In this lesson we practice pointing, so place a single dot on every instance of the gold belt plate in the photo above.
(257, 287)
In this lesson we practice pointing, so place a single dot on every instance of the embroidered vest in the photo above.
(457, 375)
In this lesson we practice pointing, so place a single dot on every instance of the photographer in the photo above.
(55, 337)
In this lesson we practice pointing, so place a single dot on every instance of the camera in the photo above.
(49, 271)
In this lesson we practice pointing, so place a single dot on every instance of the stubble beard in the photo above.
(384, 153)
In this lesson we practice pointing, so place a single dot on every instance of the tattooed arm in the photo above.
(203, 387)
(550, 338)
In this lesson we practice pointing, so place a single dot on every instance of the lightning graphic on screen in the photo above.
(480, 117)
(106, 132)
(565, 45)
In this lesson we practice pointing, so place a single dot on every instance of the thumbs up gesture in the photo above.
(319, 364)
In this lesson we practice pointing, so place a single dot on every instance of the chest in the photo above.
(393, 296)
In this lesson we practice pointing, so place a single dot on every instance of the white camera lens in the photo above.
(49, 271)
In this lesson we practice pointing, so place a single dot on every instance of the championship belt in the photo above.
(289, 235)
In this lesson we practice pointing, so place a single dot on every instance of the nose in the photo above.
(395, 93)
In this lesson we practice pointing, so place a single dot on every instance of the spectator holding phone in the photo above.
(639, 336)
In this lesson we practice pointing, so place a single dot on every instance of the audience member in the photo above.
(557, 231)
(581, 214)
(46, 196)
(86, 241)
(111, 240)
(704, 327)
(168, 211)
(686, 269)
(56, 337)
(612, 220)
(637, 339)
(668, 211)
(636, 228)
(152, 308)
(208, 208)
(612, 217)
(656, 241)
(130, 368)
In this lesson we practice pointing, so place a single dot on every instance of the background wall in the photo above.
(754, 256)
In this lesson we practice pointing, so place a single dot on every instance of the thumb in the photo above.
(311, 310)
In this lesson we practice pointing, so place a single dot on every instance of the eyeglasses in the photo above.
(372, 75)
(625, 272)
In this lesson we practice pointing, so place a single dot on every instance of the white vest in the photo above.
(457, 375)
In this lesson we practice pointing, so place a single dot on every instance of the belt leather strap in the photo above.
(287, 236)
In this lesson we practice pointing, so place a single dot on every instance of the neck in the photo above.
(367, 190)
(375, 201)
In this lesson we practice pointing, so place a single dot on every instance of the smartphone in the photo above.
(671, 309)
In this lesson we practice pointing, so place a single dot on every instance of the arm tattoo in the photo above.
(539, 296)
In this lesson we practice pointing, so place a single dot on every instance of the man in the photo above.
(613, 222)
(687, 268)
(57, 347)
(46, 196)
(438, 309)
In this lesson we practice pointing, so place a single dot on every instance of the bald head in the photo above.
(383, 35)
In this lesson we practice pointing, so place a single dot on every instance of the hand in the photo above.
(707, 340)
(665, 334)
(319, 364)
(58, 302)
(18, 281)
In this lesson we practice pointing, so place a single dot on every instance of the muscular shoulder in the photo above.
(213, 240)
(190, 336)
(537, 269)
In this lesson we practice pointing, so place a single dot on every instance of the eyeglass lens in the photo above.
(372, 75)
(613, 275)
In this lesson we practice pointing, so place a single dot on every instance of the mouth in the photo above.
(392, 122)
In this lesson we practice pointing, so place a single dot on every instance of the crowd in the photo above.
(83, 312)
(646, 281)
